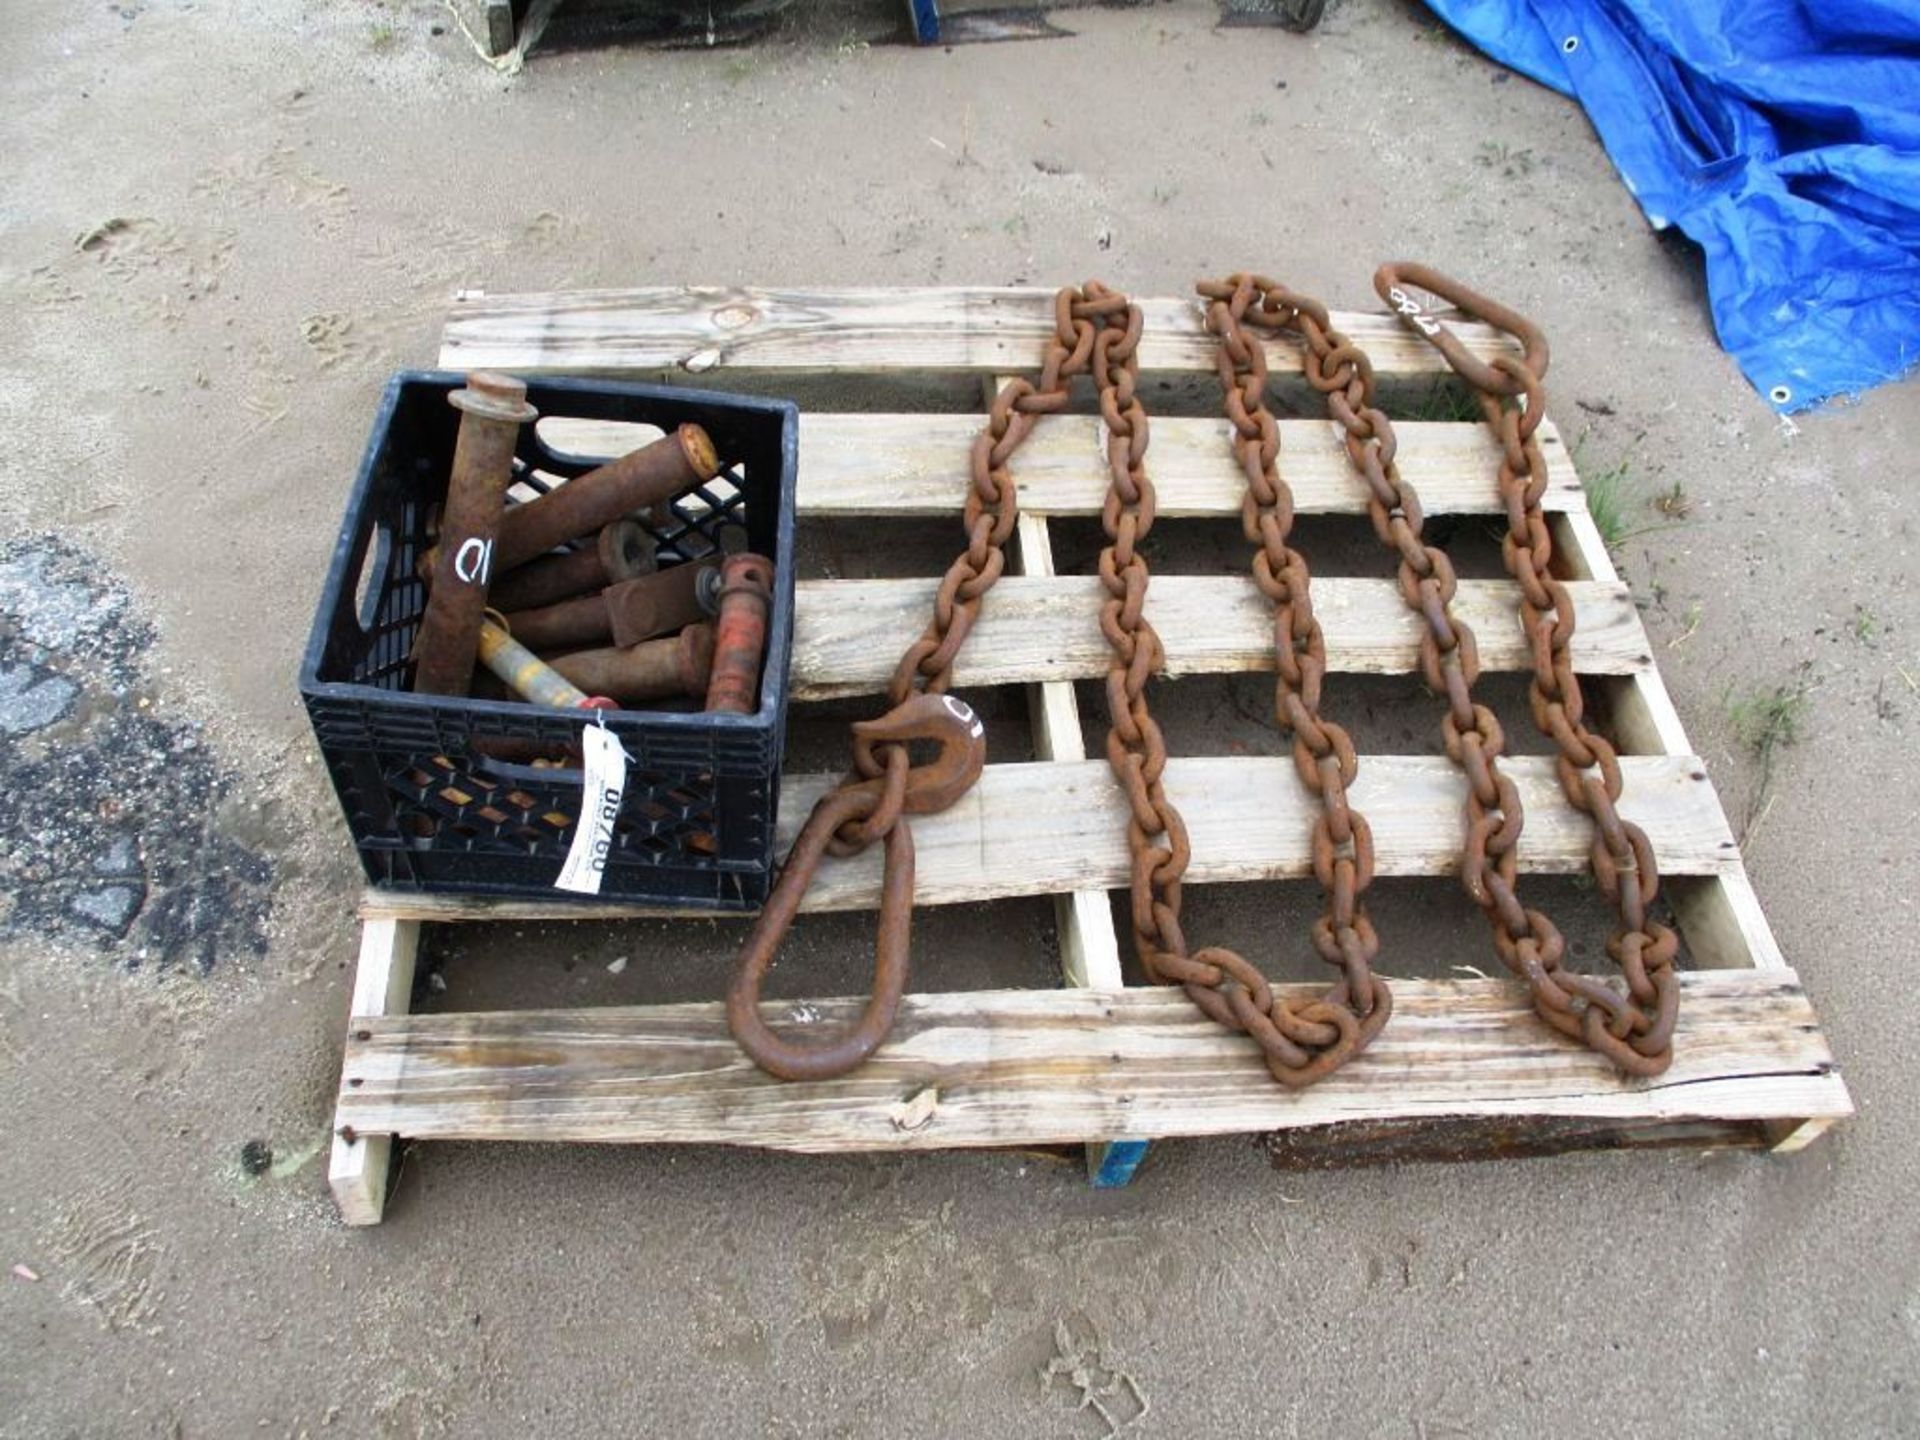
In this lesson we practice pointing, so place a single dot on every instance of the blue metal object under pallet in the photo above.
(1117, 1165)
(924, 17)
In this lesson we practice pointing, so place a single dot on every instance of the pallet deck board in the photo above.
(1043, 1067)
(848, 634)
(944, 329)
(913, 465)
(1059, 826)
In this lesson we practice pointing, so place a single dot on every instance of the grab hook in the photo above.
(874, 807)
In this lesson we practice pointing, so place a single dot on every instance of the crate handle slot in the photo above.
(371, 586)
(508, 772)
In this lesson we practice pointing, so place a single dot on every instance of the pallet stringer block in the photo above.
(382, 986)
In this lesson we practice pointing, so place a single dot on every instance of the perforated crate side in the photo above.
(697, 825)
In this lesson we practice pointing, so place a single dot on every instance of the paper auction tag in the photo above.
(600, 795)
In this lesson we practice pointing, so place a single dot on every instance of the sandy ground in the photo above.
(219, 230)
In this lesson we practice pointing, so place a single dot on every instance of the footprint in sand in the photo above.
(107, 1257)
(338, 341)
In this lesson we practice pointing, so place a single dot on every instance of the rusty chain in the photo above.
(1097, 331)
(1323, 753)
(872, 804)
(1300, 1041)
(1634, 1032)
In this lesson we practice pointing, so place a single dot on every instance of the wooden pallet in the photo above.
(1463, 1069)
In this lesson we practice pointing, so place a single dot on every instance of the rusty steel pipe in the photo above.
(746, 603)
(493, 408)
(652, 670)
(565, 626)
(621, 487)
(530, 677)
(627, 613)
(623, 551)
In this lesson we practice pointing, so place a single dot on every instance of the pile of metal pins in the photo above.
(563, 600)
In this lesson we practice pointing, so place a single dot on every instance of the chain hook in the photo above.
(947, 721)
(930, 787)
(1391, 282)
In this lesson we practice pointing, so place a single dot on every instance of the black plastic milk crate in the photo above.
(428, 812)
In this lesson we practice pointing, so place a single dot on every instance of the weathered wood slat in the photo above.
(1083, 920)
(950, 329)
(917, 465)
(848, 634)
(1037, 1067)
(1048, 828)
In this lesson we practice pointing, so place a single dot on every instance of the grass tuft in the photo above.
(1445, 399)
(1612, 493)
(1769, 719)
(1766, 721)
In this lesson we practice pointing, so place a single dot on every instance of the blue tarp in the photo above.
(1783, 137)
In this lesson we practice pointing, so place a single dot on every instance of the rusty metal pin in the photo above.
(530, 677)
(652, 670)
(621, 487)
(565, 626)
(493, 408)
(664, 602)
(623, 551)
(746, 601)
(626, 613)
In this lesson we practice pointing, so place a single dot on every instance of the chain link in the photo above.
(992, 504)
